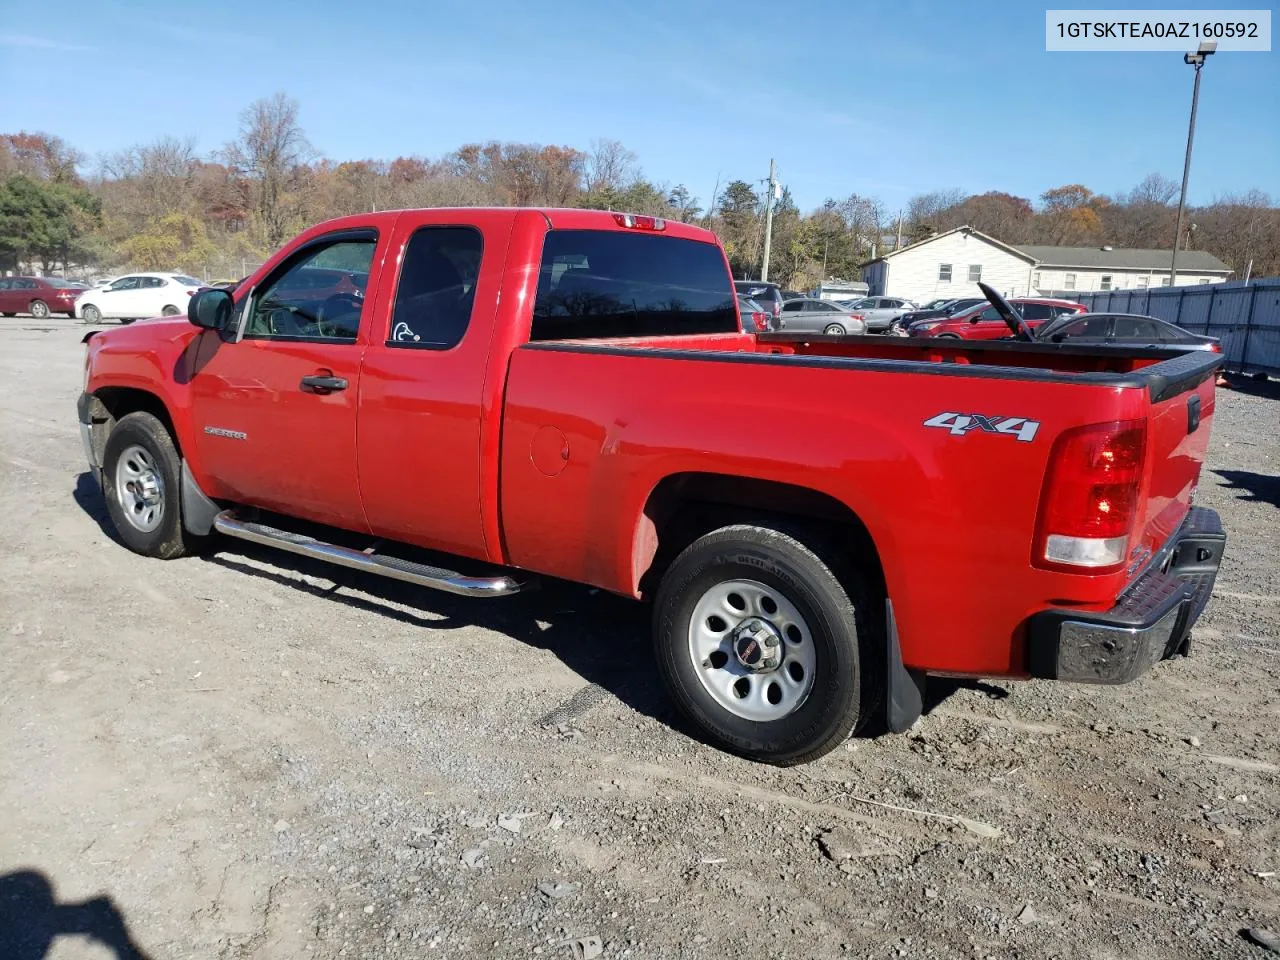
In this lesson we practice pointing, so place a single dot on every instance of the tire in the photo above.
(838, 643)
(170, 311)
(10, 314)
(834, 330)
(127, 320)
(39, 309)
(946, 336)
(141, 481)
(90, 314)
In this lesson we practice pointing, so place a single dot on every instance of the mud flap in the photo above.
(904, 699)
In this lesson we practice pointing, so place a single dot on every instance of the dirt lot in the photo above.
(250, 756)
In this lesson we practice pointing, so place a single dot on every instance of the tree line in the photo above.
(163, 205)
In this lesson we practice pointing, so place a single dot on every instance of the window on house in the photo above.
(1144, 281)
(1203, 281)
(975, 272)
(1165, 281)
(1105, 282)
(1069, 281)
(1039, 281)
(944, 273)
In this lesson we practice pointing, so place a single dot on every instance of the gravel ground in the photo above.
(250, 756)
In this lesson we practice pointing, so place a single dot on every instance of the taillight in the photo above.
(1216, 347)
(191, 292)
(761, 320)
(635, 222)
(1090, 498)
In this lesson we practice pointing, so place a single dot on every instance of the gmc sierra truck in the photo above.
(467, 399)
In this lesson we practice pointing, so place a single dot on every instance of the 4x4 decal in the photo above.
(958, 424)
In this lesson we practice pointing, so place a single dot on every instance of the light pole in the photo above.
(768, 221)
(1196, 60)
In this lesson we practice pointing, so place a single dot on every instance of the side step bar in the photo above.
(417, 573)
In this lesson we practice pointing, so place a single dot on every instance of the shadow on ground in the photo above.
(31, 919)
(1258, 487)
(603, 638)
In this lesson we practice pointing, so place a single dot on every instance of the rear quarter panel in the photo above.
(952, 515)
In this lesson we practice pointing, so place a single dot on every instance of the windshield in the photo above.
(188, 281)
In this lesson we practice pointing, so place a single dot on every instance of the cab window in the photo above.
(317, 294)
(437, 288)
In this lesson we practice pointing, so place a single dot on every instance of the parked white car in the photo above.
(138, 295)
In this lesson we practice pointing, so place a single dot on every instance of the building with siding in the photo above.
(1068, 270)
(951, 264)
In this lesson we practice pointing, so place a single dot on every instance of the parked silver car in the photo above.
(879, 312)
(807, 315)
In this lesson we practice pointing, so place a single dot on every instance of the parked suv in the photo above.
(879, 312)
(768, 295)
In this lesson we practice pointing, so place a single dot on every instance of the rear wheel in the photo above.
(90, 314)
(39, 309)
(763, 647)
(127, 320)
(141, 481)
(834, 330)
(170, 311)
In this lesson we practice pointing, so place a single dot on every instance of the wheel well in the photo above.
(685, 506)
(119, 402)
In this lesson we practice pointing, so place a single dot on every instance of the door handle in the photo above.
(323, 384)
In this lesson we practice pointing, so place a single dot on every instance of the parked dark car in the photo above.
(39, 296)
(1131, 329)
(944, 309)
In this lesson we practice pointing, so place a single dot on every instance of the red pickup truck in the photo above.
(561, 392)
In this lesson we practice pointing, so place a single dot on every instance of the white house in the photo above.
(951, 264)
(1068, 270)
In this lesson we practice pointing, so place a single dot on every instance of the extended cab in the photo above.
(465, 398)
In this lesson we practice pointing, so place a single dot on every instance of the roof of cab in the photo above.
(558, 218)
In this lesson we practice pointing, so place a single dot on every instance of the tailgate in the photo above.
(1181, 393)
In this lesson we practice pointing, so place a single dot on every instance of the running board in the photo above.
(420, 574)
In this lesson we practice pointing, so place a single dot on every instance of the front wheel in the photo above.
(141, 481)
(170, 311)
(946, 336)
(764, 647)
(834, 330)
(90, 314)
(39, 309)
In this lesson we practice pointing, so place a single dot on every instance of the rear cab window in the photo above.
(601, 284)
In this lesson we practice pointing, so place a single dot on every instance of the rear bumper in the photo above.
(1150, 622)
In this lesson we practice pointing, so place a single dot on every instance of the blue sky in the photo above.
(886, 100)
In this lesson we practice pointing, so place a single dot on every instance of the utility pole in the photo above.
(898, 246)
(768, 220)
(1196, 60)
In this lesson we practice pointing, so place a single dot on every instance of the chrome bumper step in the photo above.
(421, 574)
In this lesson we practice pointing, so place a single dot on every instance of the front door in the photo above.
(275, 410)
(120, 300)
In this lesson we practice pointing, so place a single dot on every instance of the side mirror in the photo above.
(210, 309)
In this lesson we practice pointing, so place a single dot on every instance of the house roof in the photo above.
(938, 236)
(1123, 258)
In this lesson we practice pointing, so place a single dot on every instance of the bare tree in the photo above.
(610, 166)
(1155, 188)
(270, 149)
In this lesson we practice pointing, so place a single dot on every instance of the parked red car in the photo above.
(38, 296)
(547, 392)
(983, 322)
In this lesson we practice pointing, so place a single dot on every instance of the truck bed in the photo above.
(952, 515)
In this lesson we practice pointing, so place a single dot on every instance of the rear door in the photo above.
(8, 297)
(422, 395)
(275, 410)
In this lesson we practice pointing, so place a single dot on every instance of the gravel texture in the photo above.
(249, 756)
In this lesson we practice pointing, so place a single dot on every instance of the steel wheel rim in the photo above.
(91, 314)
(140, 489)
(723, 618)
(834, 330)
